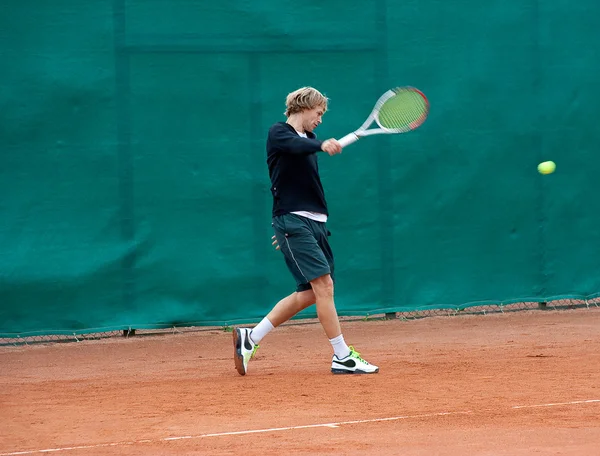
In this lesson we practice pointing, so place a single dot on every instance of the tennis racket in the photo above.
(398, 110)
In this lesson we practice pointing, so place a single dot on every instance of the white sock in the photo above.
(340, 348)
(261, 330)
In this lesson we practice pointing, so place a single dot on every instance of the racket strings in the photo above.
(404, 111)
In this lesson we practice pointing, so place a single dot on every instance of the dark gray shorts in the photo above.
(305, 246)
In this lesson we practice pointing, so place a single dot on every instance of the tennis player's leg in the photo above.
(345, 360)
(308, 256)
(304, 243)
(246, 340)
(287, 308)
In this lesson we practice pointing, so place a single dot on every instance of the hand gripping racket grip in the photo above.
(348, 139)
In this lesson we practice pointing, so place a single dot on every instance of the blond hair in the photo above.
(305, 98)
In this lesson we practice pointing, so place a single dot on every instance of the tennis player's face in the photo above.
(312, 118)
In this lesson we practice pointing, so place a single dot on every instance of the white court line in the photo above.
(552, 405)
(288, 428)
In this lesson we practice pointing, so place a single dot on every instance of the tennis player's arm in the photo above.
(286, 141)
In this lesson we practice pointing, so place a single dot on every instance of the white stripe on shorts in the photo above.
(294, 258)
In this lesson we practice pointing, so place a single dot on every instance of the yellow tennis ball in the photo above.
(547, 167)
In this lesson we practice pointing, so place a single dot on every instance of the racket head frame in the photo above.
(374, 117)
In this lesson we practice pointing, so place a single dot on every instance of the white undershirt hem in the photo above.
(312, 215)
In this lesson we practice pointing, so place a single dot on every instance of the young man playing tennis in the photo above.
(299, 221)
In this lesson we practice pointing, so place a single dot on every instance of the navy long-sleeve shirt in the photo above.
(294, 171)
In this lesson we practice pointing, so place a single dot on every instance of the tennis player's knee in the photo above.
(323, 286)
(306, 299)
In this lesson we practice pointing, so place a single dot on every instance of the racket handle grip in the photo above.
(348, 139)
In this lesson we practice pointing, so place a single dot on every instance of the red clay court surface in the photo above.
(523, 383)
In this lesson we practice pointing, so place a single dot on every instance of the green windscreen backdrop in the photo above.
(133, 181)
